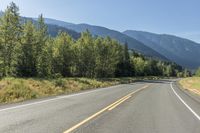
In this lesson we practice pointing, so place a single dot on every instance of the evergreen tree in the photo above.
(127, 66)
(124, 67)
(10, 30)
(42, 63)
(27, 59)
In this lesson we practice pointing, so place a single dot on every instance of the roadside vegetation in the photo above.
(192, 83)
(197, 74)
(20, 89)
(41, 65)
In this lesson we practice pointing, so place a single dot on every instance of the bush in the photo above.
(57, 75)
(16, 91)
(60, 83)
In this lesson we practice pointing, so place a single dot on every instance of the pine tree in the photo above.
(42, 61)
(124, 68)
(27, 58)
(127, 66)
(10, 28)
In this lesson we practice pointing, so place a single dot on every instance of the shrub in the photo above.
(16, 91)
(59, 83)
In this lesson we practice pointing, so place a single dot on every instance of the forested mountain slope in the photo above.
(102, 31)
(180, 50)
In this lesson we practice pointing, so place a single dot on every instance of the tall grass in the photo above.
(16, 89)
(20, 89)
(191, 83)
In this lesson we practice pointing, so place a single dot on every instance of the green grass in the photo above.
(20, 89)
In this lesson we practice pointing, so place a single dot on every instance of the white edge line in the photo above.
(191, 110)
(56, 98)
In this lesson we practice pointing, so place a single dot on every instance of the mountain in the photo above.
(182, 51)
(54, 29)
(102, 31)
(57, 22)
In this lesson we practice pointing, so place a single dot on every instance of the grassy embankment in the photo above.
(20, 89)
(192, 84)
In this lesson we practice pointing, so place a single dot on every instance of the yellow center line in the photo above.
(119, 103)
(109, 107)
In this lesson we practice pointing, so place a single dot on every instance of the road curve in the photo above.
(141, 107)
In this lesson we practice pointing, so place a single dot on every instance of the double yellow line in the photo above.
(109, 108)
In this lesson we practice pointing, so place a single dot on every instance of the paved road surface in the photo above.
(142, 107)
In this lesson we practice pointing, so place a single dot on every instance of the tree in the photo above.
(168, 71)
(139, 65)
(127, 65)
(27, 59)
(197, 73)
(108, 53)
(160, 68)
(10, 31)
(186, 73)
(63, 54)
(152, 68)
(100, 60)
(124, 67)
(85, 55)
(42, 64)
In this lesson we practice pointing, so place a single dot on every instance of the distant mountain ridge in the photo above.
(182, 51)
(57, 22)
(54, 29)
(102, 31)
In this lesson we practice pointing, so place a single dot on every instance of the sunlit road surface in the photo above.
(141, 107)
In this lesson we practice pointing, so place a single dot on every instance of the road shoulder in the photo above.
(189, 93)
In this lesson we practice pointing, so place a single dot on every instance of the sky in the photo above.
(177, 17)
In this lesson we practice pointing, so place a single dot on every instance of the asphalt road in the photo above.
(142, 107)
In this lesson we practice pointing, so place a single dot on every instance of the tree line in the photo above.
(27, 50)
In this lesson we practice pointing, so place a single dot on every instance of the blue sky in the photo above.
(178, 17)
